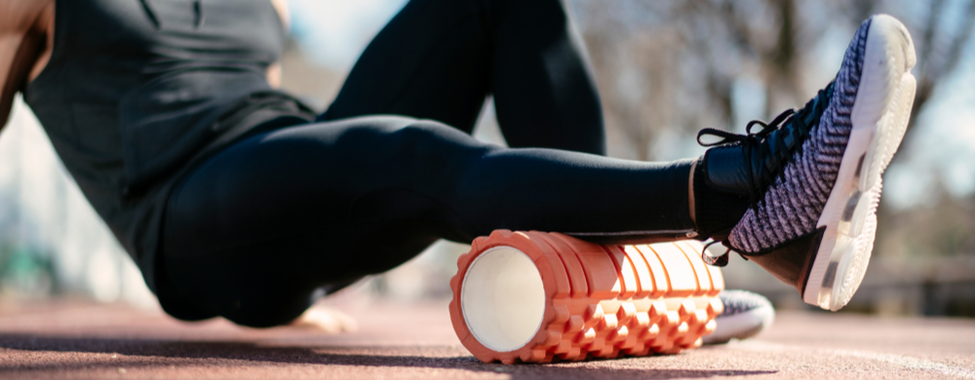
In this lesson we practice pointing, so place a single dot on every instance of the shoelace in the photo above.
(775, 150)
(719, 260)
(750, 139)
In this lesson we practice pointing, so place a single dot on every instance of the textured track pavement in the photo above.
(415, 341)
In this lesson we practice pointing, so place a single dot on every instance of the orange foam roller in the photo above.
(533, 296)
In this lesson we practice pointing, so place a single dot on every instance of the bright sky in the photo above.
(334, 32)
(942, 147)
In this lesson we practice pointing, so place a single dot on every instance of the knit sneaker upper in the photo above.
(793, 203)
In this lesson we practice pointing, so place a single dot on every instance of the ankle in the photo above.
(715, 212)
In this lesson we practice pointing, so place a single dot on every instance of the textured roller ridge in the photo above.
(605, 301)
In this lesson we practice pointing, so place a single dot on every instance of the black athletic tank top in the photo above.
(137, 91)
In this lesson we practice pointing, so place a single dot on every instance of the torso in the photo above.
(140, 83)
(18, 18)
(133, 93)
(27, 42)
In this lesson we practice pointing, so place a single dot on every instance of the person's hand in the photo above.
(325, 319)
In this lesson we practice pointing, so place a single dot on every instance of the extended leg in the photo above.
(251, 233)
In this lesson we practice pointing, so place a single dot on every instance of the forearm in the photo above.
(274, 75)
(8, 87)
(25, 35)
(5, 105)
(274, 71)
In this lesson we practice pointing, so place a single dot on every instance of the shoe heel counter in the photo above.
(791, 262)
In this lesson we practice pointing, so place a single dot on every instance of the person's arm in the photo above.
(8, 48)
(24, 27)
(274, 71)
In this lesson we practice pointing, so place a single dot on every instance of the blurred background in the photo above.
(665, 69)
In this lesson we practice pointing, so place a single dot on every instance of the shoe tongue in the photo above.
(811, 112)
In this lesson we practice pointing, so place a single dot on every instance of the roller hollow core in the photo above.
(503, 299)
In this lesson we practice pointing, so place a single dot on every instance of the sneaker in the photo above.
(813, 176)
(745, 315)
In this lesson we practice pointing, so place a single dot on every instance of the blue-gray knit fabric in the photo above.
(741, 301)
(793, 203)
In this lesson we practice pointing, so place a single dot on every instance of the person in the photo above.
(236, 200)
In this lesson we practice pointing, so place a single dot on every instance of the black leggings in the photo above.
(254, 231)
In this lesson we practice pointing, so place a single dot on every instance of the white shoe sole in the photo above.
(880, 114)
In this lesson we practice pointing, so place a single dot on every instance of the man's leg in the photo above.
(438, 59)
(252, 232)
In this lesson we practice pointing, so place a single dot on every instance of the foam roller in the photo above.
(533, 296)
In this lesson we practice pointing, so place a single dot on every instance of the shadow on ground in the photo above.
(78, 353)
